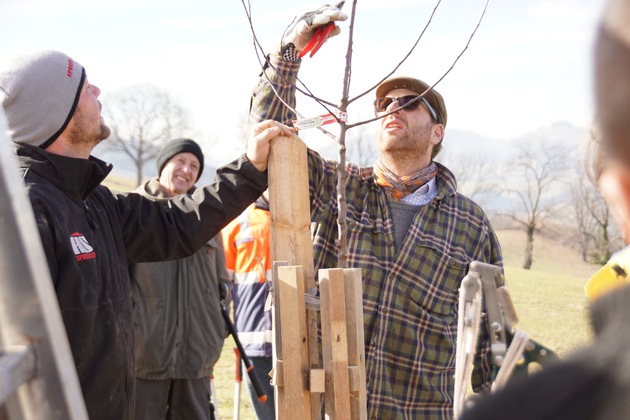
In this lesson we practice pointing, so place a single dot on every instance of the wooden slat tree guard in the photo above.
(300, 378)
(342, 343)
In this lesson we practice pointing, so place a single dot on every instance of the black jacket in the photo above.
(90, 236)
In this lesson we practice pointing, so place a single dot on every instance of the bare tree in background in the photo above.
(537, 169)
(142, 117)
(475, 176)
(592, 221)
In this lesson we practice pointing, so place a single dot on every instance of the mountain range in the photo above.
(458, 144)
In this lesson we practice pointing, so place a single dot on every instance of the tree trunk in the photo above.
(584, 247)
(529, 248)
(604, 247)
(139, 174)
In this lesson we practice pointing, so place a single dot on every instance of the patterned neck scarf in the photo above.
(397, 187)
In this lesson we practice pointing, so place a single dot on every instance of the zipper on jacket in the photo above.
(89, 215)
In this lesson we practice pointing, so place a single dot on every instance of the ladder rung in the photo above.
(17, 365)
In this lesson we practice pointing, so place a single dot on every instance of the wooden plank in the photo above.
(296, 401)
(335, 343)
(289, 205)
(356, 346)
(355, 380)
(318, 381)
(278, 378)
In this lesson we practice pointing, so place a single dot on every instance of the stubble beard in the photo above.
(413, 144)
(83, 136)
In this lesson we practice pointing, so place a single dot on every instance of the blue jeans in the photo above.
(262, 367)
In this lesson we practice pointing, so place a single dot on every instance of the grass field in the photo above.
(549, 301)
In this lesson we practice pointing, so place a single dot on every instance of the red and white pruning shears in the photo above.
(320, 36)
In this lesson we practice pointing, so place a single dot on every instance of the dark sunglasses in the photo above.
(381, 104)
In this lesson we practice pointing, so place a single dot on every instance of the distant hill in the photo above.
(457, 144)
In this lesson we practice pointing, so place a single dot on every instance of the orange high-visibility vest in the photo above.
(248, 260)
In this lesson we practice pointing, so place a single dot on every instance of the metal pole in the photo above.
(249, 365)
(238, 378)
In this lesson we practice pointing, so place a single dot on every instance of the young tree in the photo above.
(141, 118)
(339, 111)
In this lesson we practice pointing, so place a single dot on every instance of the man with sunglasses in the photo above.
(409, 231)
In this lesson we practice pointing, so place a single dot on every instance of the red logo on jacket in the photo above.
(81, 247)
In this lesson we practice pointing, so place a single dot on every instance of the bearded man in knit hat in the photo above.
(177, 315)
(90, 234)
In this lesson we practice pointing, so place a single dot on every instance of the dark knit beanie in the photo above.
(39, 92)
(175, 146)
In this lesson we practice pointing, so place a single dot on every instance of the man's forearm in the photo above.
(274, 91)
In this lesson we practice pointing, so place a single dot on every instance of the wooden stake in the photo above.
(289, 205)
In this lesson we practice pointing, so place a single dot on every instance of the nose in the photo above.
(96, 90)
(393, 105)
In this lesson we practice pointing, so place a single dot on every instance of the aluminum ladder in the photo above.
(38, 378)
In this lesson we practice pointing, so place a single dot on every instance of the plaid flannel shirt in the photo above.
(410, 294)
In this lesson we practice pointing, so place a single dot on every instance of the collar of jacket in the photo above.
(76, 177)
(152, 189)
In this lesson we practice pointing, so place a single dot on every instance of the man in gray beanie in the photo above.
(46, 82)
(91, 235)
(175, 354)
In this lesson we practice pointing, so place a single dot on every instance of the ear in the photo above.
(614, 184)
(437, 133)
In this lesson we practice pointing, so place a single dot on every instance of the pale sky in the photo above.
(528, 66)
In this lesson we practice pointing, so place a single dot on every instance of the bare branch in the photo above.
(412, 49)
(345, 101)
